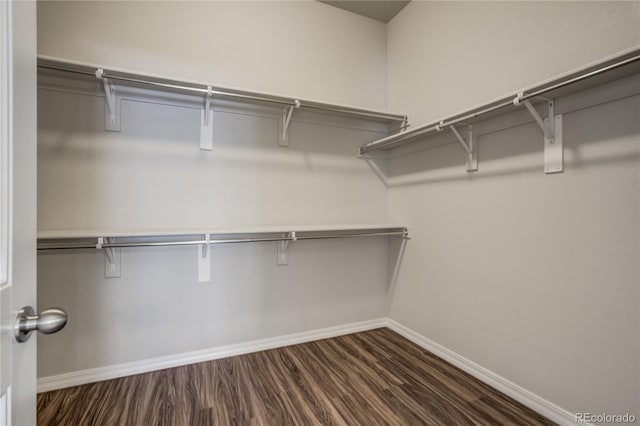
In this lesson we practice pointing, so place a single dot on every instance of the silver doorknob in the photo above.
(49, 321)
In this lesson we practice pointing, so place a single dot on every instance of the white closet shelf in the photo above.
(612, 68)
(111, 242)
(77, 239)
(157, 82)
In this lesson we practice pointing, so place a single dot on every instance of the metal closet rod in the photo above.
(474, 113)
(84, 245)
(237, 95)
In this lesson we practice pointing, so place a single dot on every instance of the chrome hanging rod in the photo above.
(579, 78)
(536, 91)
(56, 245)
(217, 91)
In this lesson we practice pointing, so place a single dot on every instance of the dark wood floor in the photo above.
(371, 378)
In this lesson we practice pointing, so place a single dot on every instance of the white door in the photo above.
(18, 213)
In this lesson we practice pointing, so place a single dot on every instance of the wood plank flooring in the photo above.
(371, 378)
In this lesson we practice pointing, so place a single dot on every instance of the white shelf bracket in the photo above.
(204, 260)
(287, 113)
(107, 250)
(112, 259)
(283, 246)
(552, 129)
(112, 112)
(470, 146)
(405, 124)
(206, 123)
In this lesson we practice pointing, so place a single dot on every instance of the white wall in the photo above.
(445, 57)
(152, 175)
(300, 48)
(535, 277)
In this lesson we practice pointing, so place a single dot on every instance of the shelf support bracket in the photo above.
(470, 146)
(107, 250)
(405, 124)
(283, 246)
(206, 123)
(112, 258)
(204, 260)
(112, 112)
(552, 129)
(287, 113)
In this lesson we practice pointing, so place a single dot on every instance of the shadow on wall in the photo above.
(512, 143)
(136, 316)
(318, 178)
(72, 126)
(170, 117)
(396, 249)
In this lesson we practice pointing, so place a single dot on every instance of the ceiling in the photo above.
(381, 10)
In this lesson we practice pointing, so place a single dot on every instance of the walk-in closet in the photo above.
(319, 212)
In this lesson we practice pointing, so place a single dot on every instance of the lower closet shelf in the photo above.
(111, 242)
(56, 240)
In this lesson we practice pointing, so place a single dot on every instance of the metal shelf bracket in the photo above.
(470, 146)
(283, 246)
(112, 112)
(206, 122)
(552, 129)
(204, 260)
(287, 113)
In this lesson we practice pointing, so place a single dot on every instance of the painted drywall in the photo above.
(533, 276)
(445, 57)
(297, 48)
(152, 175)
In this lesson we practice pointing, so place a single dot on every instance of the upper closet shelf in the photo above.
(111, 77)
(614, 67)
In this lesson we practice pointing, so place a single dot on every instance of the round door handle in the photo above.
(49, 321)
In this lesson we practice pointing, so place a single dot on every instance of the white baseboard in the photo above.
(531, 400)
(92, 375)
